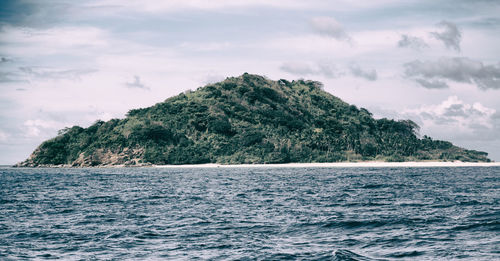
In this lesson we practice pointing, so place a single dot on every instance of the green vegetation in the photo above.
(247, 119)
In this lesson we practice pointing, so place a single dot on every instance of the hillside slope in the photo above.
(246, 119)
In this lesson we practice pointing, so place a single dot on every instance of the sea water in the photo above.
(250, 213)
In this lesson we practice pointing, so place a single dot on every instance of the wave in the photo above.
(346, 255)
(484, 226)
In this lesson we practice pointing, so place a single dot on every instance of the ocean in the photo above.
(444, 213)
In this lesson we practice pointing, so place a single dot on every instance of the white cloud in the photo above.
(471, 125)
(212, 77)
(454, 117)
(37, 127)
(330, 27)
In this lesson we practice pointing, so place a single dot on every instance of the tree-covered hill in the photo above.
(246, 119)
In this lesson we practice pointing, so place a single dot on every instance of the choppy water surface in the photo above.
(259, 213)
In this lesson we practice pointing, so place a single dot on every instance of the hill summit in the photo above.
(245, 119)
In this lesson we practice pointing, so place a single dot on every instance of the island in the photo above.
(248, 119)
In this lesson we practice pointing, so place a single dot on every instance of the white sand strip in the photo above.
(343, 165)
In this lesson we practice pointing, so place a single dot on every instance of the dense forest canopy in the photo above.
(246, 119)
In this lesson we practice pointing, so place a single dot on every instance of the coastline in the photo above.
(363, 164)
(367, 164)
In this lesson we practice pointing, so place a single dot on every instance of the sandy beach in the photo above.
(368, 164)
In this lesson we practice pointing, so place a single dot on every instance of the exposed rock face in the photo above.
(101, 158)
(104, 157)
(246, 119)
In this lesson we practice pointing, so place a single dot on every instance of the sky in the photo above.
(65, 63)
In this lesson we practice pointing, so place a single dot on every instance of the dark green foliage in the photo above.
(220, 125)
(249, 138)
(248, 119)
(152, 132)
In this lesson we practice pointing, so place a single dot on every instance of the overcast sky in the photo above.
(65, 63)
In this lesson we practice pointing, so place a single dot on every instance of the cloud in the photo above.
(33, 73)
(45, 124)
(9, 77)
(176, 5)
(54, 74)
(299, 68)
(137, 83)
(370, 75)
(450, 36)
(39, 13)
(412, 42)
(432, 84)
(457, 69)
(5, 60)
(155, 6)
(38, 127)
(454, 115)
(68, 40)
(330, 27)
(326, 69)
(212, 78)
(195, 33)
(485, 22)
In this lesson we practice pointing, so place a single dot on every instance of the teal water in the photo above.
(250, 214)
